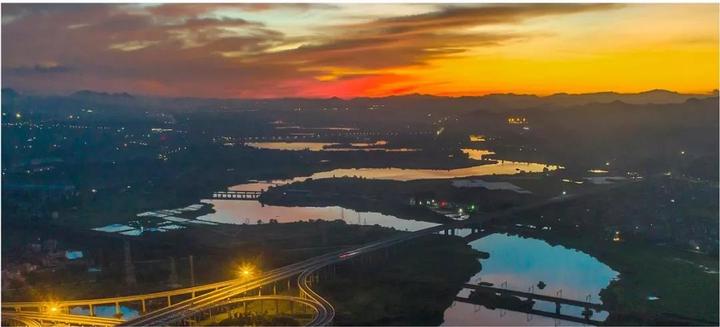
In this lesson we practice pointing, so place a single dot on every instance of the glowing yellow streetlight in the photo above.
(53, 308)
(246, 270)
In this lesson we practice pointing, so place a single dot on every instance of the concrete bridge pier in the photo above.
(587, 313)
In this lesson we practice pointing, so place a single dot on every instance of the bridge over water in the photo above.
(237, 195)
(497, 295)
(182, 305)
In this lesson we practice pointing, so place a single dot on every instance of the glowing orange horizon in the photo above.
(361, 50)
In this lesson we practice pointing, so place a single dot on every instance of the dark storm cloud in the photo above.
(411, 40)
(452, 17)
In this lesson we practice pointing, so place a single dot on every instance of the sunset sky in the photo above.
(324, 50)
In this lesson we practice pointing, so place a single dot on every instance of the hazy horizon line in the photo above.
(709, 93)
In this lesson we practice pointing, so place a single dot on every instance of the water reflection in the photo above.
(292, 146)
(327, 147)
(477, 154)
(522, 263)
(252, 212)
(401, 174)
(107, 311)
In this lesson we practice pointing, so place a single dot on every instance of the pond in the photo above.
(403, 174)
(327, 147)
(407, 174)
(252, 212)
(477, 154)
(522, 263)
(107, 311)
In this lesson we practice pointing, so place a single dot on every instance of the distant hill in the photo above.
(410, 102)
(648, 97)
(93, 94)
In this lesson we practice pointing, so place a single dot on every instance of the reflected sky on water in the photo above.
(400, 174)
(250, 211)
(107, 311)
(477, 154)
(404, 175)
(522, 263)
(325, 146)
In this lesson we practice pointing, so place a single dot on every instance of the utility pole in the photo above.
(192, 270)
(173, 280)
(130, 279)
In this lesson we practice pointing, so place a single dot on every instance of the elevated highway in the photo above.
(44, 319)
(211, 295)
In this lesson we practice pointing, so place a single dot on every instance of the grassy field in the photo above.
(686, 283)
(413, 286)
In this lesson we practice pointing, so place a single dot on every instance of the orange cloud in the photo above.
(230, 50)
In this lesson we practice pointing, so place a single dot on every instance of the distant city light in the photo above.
(18, 115)
(517, 120)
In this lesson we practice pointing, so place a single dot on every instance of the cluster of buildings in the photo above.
(453, 210)
(36, 257)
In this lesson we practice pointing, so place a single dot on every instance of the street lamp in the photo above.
(53, 308)
(246, 270)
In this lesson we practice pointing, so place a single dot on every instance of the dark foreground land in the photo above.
(218, 252)
(412, 284)
(67, 169)
(667, 229)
